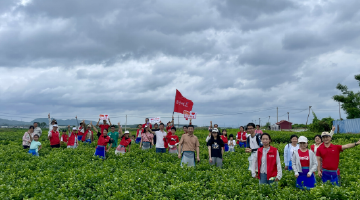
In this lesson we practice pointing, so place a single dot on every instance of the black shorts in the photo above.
(26, 147)
(55, 146)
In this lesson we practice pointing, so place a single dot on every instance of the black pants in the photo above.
(55, 146)
(26, 147)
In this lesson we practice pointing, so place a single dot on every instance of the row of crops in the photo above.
(77, 174)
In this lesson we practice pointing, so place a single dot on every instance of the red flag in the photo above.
(182, 103)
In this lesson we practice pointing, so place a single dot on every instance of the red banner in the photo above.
(182, 103)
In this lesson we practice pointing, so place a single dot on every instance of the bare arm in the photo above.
(120, 129)
(351, 145)
(209, 150)
(210, 124)
(319, 165)
(109, 121)
(95, 129)
(198, 153)
(129, 147)
(97, 124)
(140, 143)
(39, 148)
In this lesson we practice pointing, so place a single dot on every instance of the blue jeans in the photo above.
(330, 175)
(160, 150)
(263, 179)
(242, 144)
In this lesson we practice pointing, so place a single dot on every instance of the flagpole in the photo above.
(174, 104)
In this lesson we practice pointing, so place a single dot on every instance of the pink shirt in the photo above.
(147, 137)
(258, 131)
(26, 139)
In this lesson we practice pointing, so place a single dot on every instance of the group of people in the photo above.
(264, 160)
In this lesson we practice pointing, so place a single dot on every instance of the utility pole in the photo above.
(178, 121)
(339, 111)
(269, 119)
(259, 122)
(288, 117)
(125, 123)
(255, 122)
(277, 114)
(308, 116)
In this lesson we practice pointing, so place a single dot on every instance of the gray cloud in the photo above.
(124, 57)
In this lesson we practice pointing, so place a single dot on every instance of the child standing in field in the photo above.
(304, 165)
(64, 137)
(172, 140)
(225, 140)
(35, 145)
(26, 138)
(125, 142)
(231, 143)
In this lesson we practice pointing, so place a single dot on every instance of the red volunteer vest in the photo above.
(64, 138)
(224, 139)
(270, 160)
(137, 132)
(241, 135)
(72, 137)
(103, 141)
(85, 134)
(173, 142)
(54, 139)
(125, 142)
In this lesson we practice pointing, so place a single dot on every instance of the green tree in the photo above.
(350, 100)
(42, 125)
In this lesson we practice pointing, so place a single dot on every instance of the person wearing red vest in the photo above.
(103, 141)
(223, 136)
(88, 135)
(170, 125)
(64, 137)
(241, 137)
(172, 140)
(81, 130)
(54, 137)
(125, 142)
(267, 160)
(73, 138)
(138, 134)
(147, 123)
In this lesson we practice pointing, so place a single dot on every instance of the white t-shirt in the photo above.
(233, 142)
(160, 139)
(253, 142)
(292, 149)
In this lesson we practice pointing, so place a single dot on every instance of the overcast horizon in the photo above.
(237, 60)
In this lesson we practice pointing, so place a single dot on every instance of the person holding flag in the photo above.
(147, 123)
(170, 124)
(104, 125)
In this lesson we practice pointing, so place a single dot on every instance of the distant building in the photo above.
(284, 124)
(4, 126)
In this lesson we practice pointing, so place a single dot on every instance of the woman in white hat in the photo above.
(304, 164)
(125, 142)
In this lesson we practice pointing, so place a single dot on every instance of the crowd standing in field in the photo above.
(264, 159)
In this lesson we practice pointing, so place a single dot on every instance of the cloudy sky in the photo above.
(237, 59)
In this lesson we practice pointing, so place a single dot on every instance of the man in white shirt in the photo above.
(37, 129)
(160, 136)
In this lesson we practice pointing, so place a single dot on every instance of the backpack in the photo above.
(258, 141)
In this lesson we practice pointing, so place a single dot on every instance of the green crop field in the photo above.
(77, 174)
